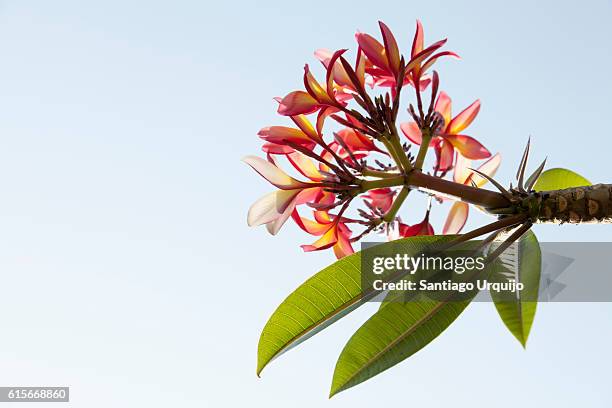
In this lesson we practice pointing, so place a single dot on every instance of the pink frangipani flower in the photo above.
(364, 157)
(448, 135)
(333, 232)
(380, 198)
(276, 207)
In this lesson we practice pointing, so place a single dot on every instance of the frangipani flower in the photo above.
(384, 60)
(316, 96)
(380, 198)
(341, 78)
(421, 59)
(422, 228)
(274, 174)
(364, 158)
(333, 232)
(404, 230)
(463, 174)
(280, 135)
(283, 140)
(447, 136)
(351, 147)
(297, 103)
(359, 144)
(276, 207)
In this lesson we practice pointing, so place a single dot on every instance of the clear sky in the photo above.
(129, 272)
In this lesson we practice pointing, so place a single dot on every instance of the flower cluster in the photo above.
(344, 144)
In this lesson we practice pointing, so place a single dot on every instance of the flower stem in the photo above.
(399, 200)
(469, 194)
(396, 154)
(379, 173)
(403, 158)
(395, 181)
(418, 164)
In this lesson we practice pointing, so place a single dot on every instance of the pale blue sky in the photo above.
(129, 271)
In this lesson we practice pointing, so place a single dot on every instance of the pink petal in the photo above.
(305, 126)
(327, 240)
(323, 55)
(419, 37)
(443, 107)
(463, 120)
(314, 88)
(456, 219)
(273, 148)
(327, 156)
(462, 171)
(356, 141)
(464, 175)
(373, 50)
(281, 134)
(422, 228)
(381, 198)
(360, 66)
(322, 115)
(311, 195)
(416, 60)
(391, 48)
(411, 131)
(380, 77)
(330, 73)
(468, 146)
(435, 57)
(305, 166)
(339, 73)
(424, 82)
(309, 226)
(297, 103)
(444, 155)
(322, 217)
(325, 197)
(343, 247)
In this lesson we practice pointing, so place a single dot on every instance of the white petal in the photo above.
(272, 173)
(489, 168)
(275, 226)
(269, 207)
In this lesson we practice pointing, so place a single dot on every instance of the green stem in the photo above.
(395, 181)
(395, 154)
(399, 200)
(397, 144)
(378, 173)
(423, 149)
(403, 157)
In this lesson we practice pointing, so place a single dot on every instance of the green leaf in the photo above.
(522, 261)
(558, 178)
(396, 296)
(323, 299)
(395, 332)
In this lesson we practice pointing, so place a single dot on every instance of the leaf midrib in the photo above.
(401, 337)
(311, 327)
